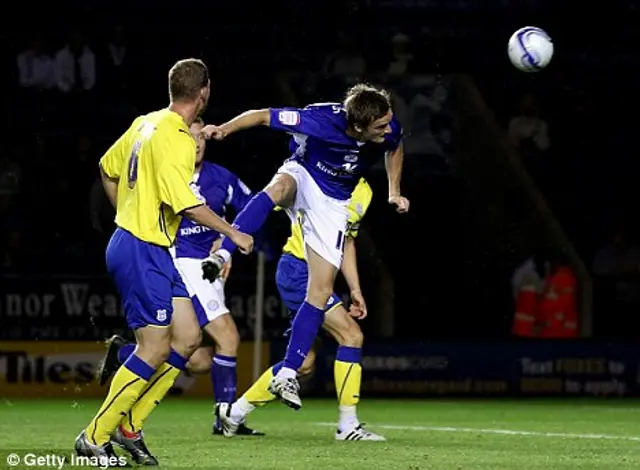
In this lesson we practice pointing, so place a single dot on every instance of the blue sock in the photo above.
(224, 379)
(304, 330)
(125, 351)
(251, 218)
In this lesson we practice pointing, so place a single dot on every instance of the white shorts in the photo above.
(324, 219)
(208, 298)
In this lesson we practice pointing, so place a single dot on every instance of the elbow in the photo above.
(192, 212)
(264, 116)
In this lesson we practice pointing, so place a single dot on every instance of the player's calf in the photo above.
(280, 191)
(347, 372)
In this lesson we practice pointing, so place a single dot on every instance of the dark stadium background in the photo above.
(438, 282)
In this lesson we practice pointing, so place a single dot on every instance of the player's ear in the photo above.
(357, 128)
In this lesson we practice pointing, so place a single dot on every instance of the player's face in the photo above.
(201, 143)
(378, 129)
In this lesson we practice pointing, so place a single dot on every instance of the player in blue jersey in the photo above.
(219, 189)
(332, 145)
(291, 279)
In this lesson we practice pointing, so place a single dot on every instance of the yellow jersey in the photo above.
(360, 201)
(153, 162)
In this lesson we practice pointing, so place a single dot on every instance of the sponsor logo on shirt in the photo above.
(289, 118)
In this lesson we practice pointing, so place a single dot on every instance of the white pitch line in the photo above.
(508, 432)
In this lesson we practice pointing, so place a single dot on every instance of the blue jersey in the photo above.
(218, 188)
(321, 144)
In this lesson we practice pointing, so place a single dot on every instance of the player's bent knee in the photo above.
(229, 345)
(344, 329)
(281, 189)
(351, 335)
(187, 343)
(200, 361)
(224, 332)
(186, 333)
(154, 344)
(319, 295)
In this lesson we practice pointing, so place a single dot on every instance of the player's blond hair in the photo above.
(365, 103)
(186, 78)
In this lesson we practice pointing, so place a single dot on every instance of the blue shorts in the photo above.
(146, 278)
(292, 275)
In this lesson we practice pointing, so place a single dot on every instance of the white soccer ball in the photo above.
(530, 49)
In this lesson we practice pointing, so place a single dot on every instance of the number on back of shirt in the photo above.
(132, 170)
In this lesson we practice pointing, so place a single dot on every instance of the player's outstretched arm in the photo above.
(246, 120)
(393, 164)
(349, 268)
(110, 186)
(204, 216)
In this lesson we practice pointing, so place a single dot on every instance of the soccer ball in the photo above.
(530, 49)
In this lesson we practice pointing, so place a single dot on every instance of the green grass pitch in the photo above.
(430, 434)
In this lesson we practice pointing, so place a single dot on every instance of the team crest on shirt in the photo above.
(212, 305)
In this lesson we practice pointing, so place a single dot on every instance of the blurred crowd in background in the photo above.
(74, 90)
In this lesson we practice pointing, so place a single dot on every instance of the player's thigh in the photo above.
(322, 276)
(343, 327)
(143, 274)
(282, 189)
(200, 360)
(323, 221)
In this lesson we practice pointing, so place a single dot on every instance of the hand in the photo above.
(358, 308)
(226, 270)
(401, 203)
(243, 241)
(216, 132)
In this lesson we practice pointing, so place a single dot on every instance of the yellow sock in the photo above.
(259, 394)
(150, 397)
(126, 387)
(347, 373)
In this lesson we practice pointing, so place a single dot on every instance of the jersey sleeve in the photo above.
(359, 205)
(112, 162)
(308, 121)
(238, 193)
(175, 173)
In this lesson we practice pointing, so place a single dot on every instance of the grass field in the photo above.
(433, 434)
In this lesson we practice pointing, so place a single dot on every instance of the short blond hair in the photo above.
(186, 78)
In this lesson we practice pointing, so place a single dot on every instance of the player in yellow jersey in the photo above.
(146, 175)
(291, 278)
